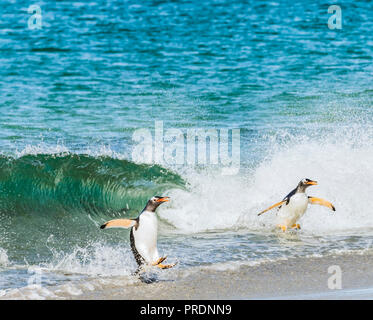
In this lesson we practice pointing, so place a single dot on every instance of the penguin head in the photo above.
(305, 183)
(155, 202)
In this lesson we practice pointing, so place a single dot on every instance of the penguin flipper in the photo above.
(322, 202)
(119, 223)
(274, 206)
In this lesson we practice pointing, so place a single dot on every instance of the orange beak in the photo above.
(314, 183)
(164, 199)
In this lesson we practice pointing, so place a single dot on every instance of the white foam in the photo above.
(232, 266)
(95, 259)
(86, 269)
(30, 292)
(68, 290)
(60, 148)
(341, 163)
(4, 261)
(42, 148)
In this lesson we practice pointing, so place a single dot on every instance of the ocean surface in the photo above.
(73, 93)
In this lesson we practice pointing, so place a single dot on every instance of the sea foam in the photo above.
(340, 162)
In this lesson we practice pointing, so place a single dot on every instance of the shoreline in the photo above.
(295, 278)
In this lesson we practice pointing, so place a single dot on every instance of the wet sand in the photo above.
(298, 278)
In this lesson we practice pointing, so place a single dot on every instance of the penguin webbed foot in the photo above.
(159, 264)
(159, 261)
(296, 226)
(282, 227)
(166, 266)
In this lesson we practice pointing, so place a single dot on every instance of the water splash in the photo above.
(340, 162)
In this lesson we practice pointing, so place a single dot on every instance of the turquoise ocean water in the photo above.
(73, 93)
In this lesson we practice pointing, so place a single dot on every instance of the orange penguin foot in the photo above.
(166, 266)
(283, 228)
(296, 226)
(160, 260)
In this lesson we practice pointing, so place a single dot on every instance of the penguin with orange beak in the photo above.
(295, 204)
(143, 236)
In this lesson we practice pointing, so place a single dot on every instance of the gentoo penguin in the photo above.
(143, 234)
(294, 205)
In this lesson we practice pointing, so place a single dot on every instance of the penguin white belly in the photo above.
(289, 214)
(146, 237)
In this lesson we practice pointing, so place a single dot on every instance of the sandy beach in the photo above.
(301, 278)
